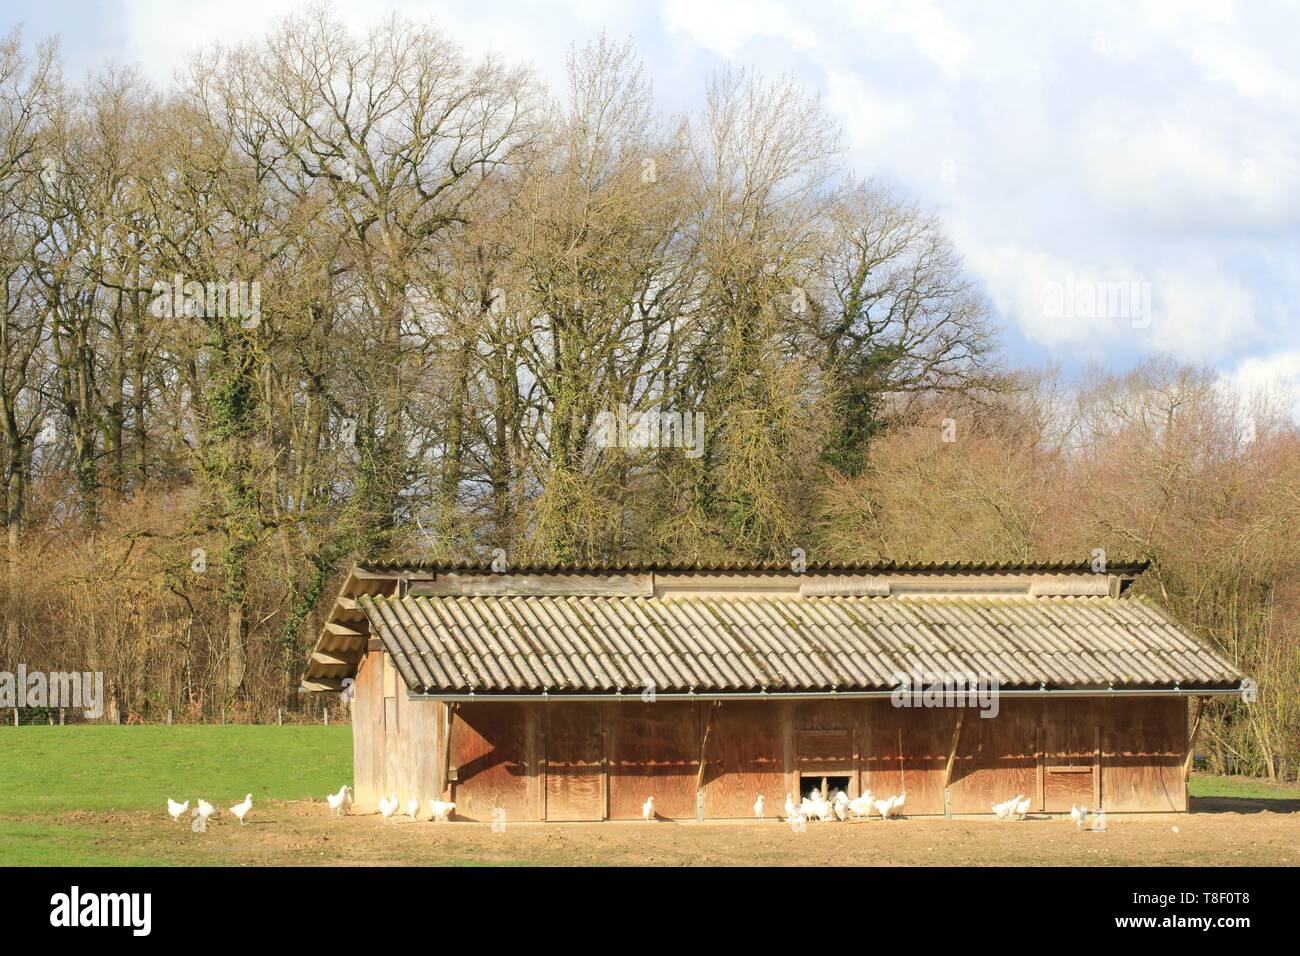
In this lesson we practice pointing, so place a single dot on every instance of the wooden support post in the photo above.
(446, 753)
(169, 716)
(325, 716)
(15, 716)
(1191, 738)
(704, 741)
(61, 716)
(952, 753)
(279, 716)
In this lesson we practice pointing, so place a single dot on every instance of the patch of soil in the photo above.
(303, 833)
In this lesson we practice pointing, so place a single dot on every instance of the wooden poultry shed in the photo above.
(573, 693)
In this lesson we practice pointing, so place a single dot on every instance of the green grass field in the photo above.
(57, 784)
(1208, 785)
(95, 796)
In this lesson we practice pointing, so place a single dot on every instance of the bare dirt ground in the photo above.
(301, 833)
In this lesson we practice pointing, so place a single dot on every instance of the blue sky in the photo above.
(1134, 145)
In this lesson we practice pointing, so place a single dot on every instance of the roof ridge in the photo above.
(744, 566)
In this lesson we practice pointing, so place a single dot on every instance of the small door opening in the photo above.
(824, 784)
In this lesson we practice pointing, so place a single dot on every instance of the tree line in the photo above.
(334, 294)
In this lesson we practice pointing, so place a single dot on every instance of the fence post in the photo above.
(169, 716)
(325, 715)
(60, 716)
(223, 713)
(15, 716)
(279, 716)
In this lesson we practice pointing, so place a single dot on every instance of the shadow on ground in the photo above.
(1243, 805)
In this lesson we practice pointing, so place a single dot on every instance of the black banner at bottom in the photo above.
(219, 905)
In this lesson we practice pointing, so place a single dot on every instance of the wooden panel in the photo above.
(653, 751)
(575, 754)
(489, 752)
(745, 758)
(1068, 742)
(1142, 750)
(368, 747)
(906, 750)
(829, 747)
(416, 744)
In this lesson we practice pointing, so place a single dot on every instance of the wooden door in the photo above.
(1070, 740)
(575, 762)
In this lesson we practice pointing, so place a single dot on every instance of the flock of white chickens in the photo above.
(837, 805)
(440, 811)
(205, 811)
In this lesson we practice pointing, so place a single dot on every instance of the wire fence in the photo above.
(326, 713)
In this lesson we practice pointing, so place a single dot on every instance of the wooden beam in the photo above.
(347, 603)
(704, 741)
(342, 658)
(359, 629)
(322, 684)
(1191, 739)
(952, 753)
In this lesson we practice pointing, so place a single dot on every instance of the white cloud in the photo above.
(1274, 378)
(726, 26)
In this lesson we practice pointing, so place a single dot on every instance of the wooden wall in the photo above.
(394, 739)
(592, 761)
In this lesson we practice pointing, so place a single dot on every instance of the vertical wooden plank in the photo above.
(855, 782)
(1096, 765)
(605, 744)
(575, 777)
(787, 751)
(1042, 762)
(532, 762)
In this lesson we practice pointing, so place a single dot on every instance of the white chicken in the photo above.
(341, 801)
(759, 807)
(440, 810)
(891, 807)
(1007, 809)
(861, 806)
(413, 808)
(387, 807)
(841, 805)
(240, 810)
(1079, 815)
(789, 807)
(176, 810)
(648, 809)
(817, 806)
(1022, 808)
(204, 811)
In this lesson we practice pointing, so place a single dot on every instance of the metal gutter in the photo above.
(634, 696)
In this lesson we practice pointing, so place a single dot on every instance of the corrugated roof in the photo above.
(746, 643)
